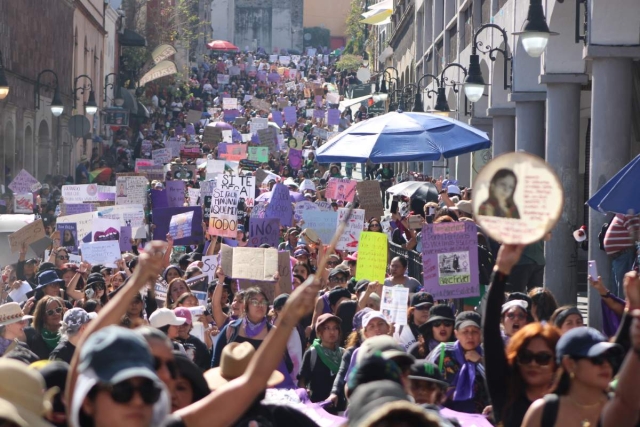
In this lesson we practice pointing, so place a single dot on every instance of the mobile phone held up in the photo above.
(593, 270)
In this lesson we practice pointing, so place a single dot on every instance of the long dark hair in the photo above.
(545, 303)
(500, 174)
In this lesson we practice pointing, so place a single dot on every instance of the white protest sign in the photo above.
(83, 222)
(229, 103)
(131, 190)
(244, 185)
(80, 193)
(106, 253)
(351, 235)
(209, 266)
(194, 194)
(394, 302)
(161, 156)
(127, 215)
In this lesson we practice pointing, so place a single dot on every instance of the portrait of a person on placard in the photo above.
(500, 202)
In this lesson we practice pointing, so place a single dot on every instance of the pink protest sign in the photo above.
(343, 189)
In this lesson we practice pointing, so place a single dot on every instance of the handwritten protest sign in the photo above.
(161, 156)
(322, 222)
(370, 198)
(24, 182)
(68, 236)
(229, 103)
(394, 302)
(23, 203)
(267, 138)
(131, 190)
(80, 193)
(28, 234)
(162, 218)
(223, 220)
(342, 189)
(180, 225)
(209, 265)
(249, 263)
(264, 230)
(193, 116)
(235, 152)
(280, 205)
(105, 253)
(212, 135)
(351, 235)
(301, 207)
(372, 256)
(260, 154)
(450, 260)
(244, 185)
(125, 238)
(175, 193)
(194, 195)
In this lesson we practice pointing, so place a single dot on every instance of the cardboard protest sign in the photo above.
(223, 220)
(245, 186)
(193, 116)
(342, 189)
(450, 259)
(125, 238)
(264, 230)
(322, 222)
(212, 135)
(131, 190)
(175, 193)
(280, 205)
(351, 235)
(235, 152)
(24, 182)
(370, 198)
(284, 268)
(162, 218)
(260, 154)
(80, 193)
(295, 158)
(372, 256)
(517, 198)
(180, 225)
(104, 229)
(267, 138)
(415, 222)
(209, 266)
(28, 234)
(249, 263)
(68, 236)
(161, 156)
(105, 253)
(393, 303)
(23, 203)
(194, 195)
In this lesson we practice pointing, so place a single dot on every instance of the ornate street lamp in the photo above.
(4, 83)
(57, 107)
(535, 32)
(90, 107)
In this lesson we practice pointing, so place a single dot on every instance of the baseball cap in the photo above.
(300, 252)
(163, 317)
(386, 347)
(357, 318)
(326, 317)
(424, 371)
(336, 294)
(468, 318)
(338, 270)
(584, 342)
(440, 312)
(368, 317)
(183, 312)
(367, 398)
(75, 318)
(420, 299)
(465, 206)
(453, 189)
(361, 285)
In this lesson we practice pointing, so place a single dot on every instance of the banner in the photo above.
(351, 235)
(161, 69)
(372, 256)
(162, 52)
(450, 260)
(223, 219)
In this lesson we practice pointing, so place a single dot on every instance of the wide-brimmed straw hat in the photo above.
(12, 313)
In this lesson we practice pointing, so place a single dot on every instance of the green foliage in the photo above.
(355, 30)
(349, 62)
(318, 36)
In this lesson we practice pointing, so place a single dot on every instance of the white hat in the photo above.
(515, 303)
(164, 316)
(370, 316)
(453, 189)
(11, 313)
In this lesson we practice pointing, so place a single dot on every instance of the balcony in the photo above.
(403, 16)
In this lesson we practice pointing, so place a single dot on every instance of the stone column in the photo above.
(562, 148)
(463, 169)
(610, 149)
(530, 121)
(504, 130)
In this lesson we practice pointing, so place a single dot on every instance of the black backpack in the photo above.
(602, 233)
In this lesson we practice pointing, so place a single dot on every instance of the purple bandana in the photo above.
(466, 375)
(253, 329)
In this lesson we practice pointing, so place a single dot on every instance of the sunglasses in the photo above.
(169, 364)
(123, 392)
(54, 311)
(256, 303)
(63, 257)
(598, 360)
(338, 280)
(445, 323)
(542, 358)
(374, 225)
(332, 263)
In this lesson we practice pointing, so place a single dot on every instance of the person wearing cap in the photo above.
(588, 364)
(514, 316)
(321, 362)
(436, 330)
(167, 321)
(12, 324)
(290, 240)
(195, 349)
(465, 209)
(417, 315)
(567, 317)
(461, 365)
(426, 384)
(74, 323)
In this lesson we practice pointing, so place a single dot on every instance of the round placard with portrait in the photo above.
(517, 198)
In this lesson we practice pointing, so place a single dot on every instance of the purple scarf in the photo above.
(253, 329)
(466, 376)
(610, 320)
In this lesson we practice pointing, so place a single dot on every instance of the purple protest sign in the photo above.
(450, 260)
(76, 208)
(190, 129)
(280, 205)
(273, 77)
(125, 239)
(333, 116)
(318, 114)
(162, 218)
(230, 115)
(318, 100)
(276, 117)
(106, 197)
(159, 199)
(262, 76)
(289, 114)
(295, 158)
(175, 193)
(264, 230)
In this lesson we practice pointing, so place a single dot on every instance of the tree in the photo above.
(349, 62)
(355, 30)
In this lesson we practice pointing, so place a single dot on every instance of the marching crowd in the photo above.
(95, 345)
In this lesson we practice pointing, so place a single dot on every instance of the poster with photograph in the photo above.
(68, 236)
(131, 190)
(180, 225)
(342, 189)
(393, 304)
(517, 198)
(351, 235)
(450, 260)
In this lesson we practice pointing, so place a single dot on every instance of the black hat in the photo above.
(361, 285)
(468, 318)
(420, 299)
(421, 370)
(441, 312)
(369, 397)
(48, 278)
(280, 301)
(46, 266)
(336, 294)
(339, 270)
(95, 278)
(190, 371)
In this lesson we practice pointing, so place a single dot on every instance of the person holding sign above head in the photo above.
(501, 190)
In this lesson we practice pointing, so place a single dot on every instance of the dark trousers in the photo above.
(525, 277)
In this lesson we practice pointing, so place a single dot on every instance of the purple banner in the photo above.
(280, 205)
(276, 117)
(289, 115)
(450, 260)
(264, 230)
(175, 193)
(333, 116)
(159, 199)
(76, 208)
(162, 218)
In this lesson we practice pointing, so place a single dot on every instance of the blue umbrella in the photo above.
(401, 137)
(620, 194)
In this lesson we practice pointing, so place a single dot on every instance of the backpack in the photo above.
(602, 234)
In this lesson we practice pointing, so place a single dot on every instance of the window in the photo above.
(468, 26)
(439, 60)
(453, 44)
(485, 6)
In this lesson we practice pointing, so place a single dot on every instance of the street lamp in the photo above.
(474, 82)
(383, 88)
(90, 107)
(535, 34)
(4, 83)
(117, 98)
(365, 59)
(417, 101)
(57, 107)
(442, 106)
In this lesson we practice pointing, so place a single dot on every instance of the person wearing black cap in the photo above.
(184, 261)
(436, 330)
(567, 317)
(460, 363)
(427, 384)
(417, 315)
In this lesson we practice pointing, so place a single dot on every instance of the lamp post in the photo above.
(383, 87)
(115, 85)
(4, 83)
(417, 102)
(411, 87)
(57, 107)
(442, 105)
(90, 107)
(535, 32)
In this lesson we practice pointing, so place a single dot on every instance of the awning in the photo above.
(131, 38)
(349, 102)
(379, 16)
(384, 4)
(142, 110)
(387, 52)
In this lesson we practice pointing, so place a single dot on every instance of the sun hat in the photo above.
(326, 317)
(584, 342)
(369, 316)
(12, 313)
(48, 278)
(183, 312)
(234, 361)
(386, 347)
(28, 400)
(164, 317)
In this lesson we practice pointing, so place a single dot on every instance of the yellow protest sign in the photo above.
(372, 256)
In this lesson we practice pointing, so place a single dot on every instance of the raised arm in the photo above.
(166, 259)
(216, 305)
